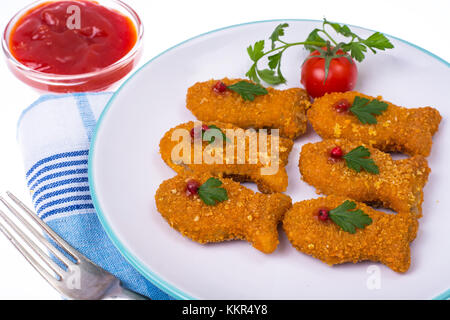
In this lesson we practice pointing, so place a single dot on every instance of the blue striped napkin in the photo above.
(54, 134)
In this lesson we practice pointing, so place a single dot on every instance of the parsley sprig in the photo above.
(248, 90)
(358, 159)
(349, 219)
(210, 193)
(364, 109)
(355, 45)
(210, 134)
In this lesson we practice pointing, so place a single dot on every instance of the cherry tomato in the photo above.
(342, 75)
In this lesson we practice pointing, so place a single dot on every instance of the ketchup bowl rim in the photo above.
(129, 12)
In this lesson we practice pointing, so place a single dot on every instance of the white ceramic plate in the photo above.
(125, 171)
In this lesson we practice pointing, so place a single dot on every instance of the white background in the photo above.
(167, 23)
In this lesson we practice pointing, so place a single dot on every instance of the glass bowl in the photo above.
(91, 81)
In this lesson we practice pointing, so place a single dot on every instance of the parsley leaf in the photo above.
(378, 41)
(358, 159)
(275, 60)
(210, 136)
(210, 193)
(277, 33)
(356, 50)
(348, 219)
(346, 32)
(314, 37)
(344, 29)
(270, 77)
(275, 63)
(248, 90)
(365, 109)
(252, 74)
(257, 51)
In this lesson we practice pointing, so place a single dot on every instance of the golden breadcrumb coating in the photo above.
(279, 109)
(386, 240)
(399, 129)
(398, 186)
(233, 164)
(245, 215)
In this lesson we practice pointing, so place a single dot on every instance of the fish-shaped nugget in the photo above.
(242, 214)
(407, 130)
(240, 155)
(279, 109)
(386, 239)
(398, 185)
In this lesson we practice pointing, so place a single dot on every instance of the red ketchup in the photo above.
(57, 38)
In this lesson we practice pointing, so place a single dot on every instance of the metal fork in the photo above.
(80, 279)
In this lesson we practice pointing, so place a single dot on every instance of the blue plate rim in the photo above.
(134, 261)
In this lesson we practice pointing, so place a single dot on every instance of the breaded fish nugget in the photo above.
(408, 130)
(278, 109)
(386, 240)
(398, 186)
(232, 166)
(245, 215)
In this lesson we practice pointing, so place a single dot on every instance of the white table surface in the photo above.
(170, 22)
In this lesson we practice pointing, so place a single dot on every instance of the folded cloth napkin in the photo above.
(54, 134)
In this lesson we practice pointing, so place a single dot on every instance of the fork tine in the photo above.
(37, 234)
(57, 269)
(36, 265)
(60, 241)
